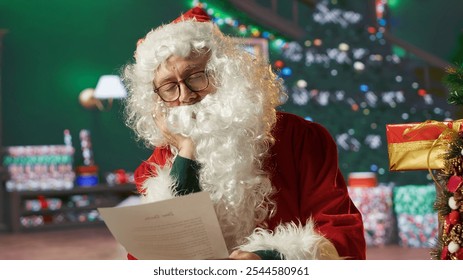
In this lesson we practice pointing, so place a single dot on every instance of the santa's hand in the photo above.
(185, 145)
(243, 255)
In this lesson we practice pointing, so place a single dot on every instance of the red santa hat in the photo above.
(195, 13)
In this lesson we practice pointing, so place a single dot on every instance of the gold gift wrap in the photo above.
(419, 146)
(414, 156)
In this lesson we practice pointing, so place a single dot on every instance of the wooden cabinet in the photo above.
(39, 210)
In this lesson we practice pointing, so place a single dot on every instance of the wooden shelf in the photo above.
(54, 226)
(65, 209)
(99, 196)
(79, 190)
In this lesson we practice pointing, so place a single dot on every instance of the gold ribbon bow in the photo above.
(447, 136)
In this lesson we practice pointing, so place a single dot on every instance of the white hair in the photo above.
(231, 127)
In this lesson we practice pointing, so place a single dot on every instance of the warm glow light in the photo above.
(110, 86)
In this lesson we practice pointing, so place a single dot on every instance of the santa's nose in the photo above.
(187, 96)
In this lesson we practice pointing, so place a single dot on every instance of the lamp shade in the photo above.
(109, 87)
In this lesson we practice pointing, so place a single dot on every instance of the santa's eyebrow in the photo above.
(188, 69)
(192, 67)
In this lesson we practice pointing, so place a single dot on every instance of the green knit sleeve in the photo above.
(186, 172)
(269, 254)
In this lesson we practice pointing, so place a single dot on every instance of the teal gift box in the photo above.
(417, 221)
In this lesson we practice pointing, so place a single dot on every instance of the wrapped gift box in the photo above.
(414, 199)
(417, 230)
(362, 179)
(375, 204)
(417, 221)
(410, 145)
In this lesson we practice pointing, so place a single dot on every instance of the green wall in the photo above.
(56, 48)
(432, 25)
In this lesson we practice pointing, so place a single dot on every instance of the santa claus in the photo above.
(208, 109)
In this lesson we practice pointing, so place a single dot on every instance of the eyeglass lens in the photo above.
(195, 82)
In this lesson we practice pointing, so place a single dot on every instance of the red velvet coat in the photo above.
(304, 170)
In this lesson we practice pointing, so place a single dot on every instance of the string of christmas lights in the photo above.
(221, 18)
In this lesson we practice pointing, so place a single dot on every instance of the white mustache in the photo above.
(194, 120)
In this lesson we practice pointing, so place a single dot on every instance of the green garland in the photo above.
(454, 81)
(449, 197)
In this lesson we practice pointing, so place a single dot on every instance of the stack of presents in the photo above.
(400, 214)
(417, 215)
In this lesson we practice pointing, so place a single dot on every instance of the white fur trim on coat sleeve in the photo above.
(159, 187)
(294, 242)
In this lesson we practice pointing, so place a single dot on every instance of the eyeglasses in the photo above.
(170, 92)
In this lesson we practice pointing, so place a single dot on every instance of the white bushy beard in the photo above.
(226, 149)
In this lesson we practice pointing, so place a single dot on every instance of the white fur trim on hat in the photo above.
(294, 242)
(179, 39)
(160, 187)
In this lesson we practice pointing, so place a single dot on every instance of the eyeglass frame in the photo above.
(156, 90)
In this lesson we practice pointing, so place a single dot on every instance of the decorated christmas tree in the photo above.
(345, 75)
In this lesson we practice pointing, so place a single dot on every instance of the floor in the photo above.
(97, 243)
